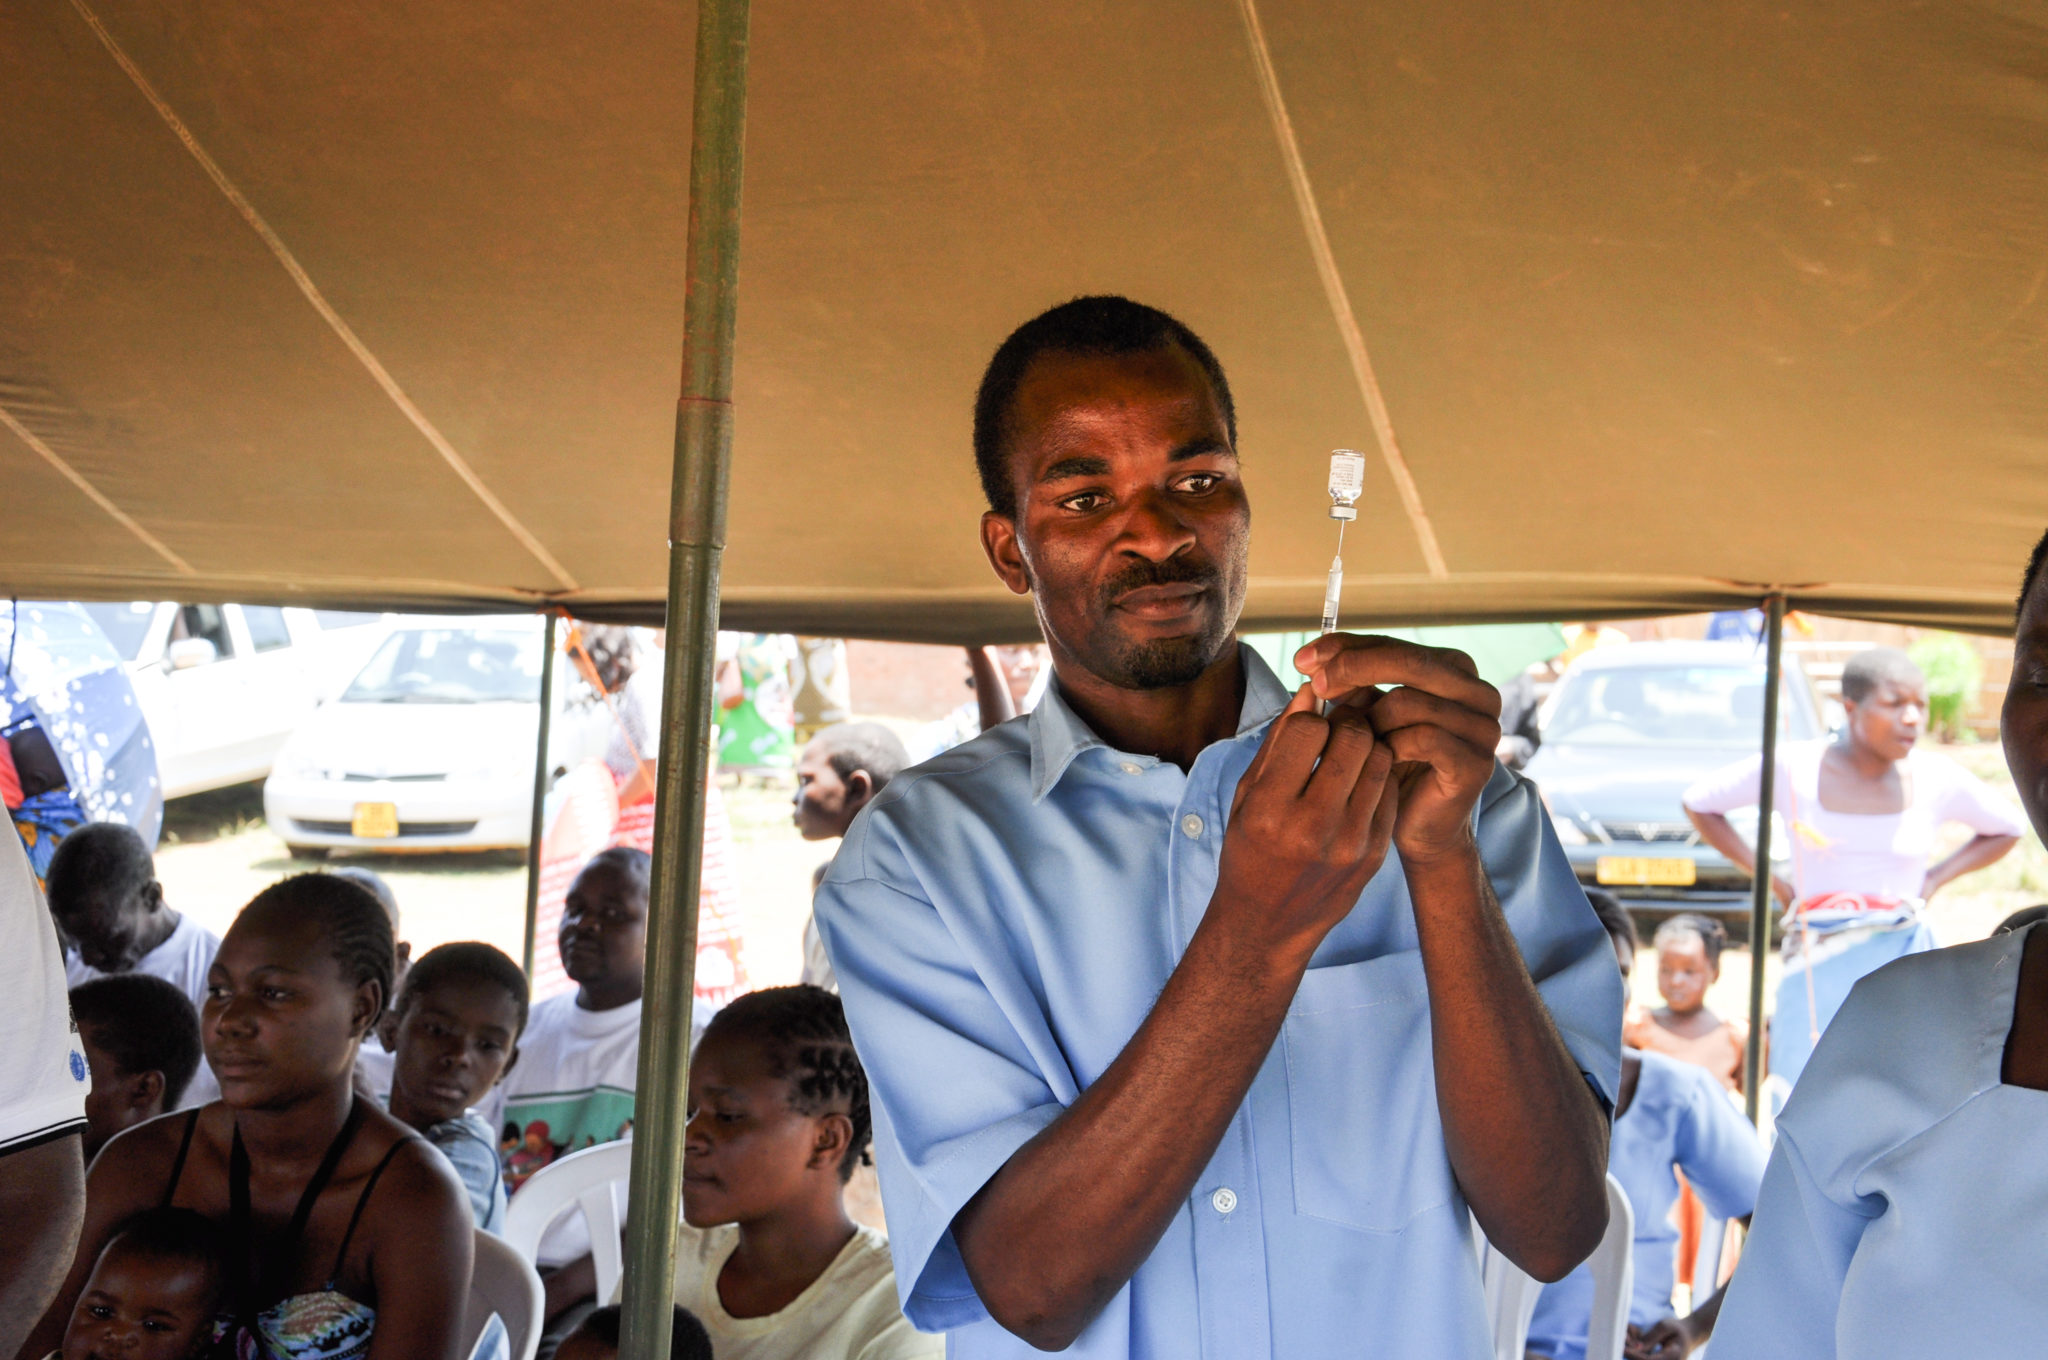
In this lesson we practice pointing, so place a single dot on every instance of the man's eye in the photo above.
(1201, 482)
(216, 993)
(275, 994)
(1085, 502)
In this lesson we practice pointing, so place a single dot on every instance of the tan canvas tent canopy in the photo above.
(379, 303)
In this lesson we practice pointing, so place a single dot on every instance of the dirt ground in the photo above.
(217, 853)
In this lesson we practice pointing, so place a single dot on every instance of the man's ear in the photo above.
(401, 952)
(143, 1091)
(860, 786)
(152, 897)
(828, 1150)
(1005, 551)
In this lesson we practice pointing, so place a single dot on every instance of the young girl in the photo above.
(770, 1263)
(349, 1238)
(1688, 963)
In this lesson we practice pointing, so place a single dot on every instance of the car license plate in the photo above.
(379, 821)
(1646, 872)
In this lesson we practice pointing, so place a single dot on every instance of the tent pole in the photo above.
(540, 787)
(1760, 889)
(697, 498)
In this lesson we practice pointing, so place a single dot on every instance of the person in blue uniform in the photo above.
(1902, 1213)
(1199, 1023)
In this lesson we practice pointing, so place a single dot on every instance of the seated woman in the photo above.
(1863, 814)
(1688, 963)
(1668, 1116)
(769, 1261)
(348, 1235)
(1902, 1213)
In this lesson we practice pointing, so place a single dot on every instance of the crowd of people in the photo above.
(1181, 1015)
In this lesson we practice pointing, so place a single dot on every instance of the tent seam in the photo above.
(93, 493)
(342, 330)
(1339, 297)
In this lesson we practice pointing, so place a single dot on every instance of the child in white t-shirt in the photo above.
(104, 895)
(769, 1261)
(572, 1087)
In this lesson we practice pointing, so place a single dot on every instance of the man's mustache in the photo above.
(1174, 571)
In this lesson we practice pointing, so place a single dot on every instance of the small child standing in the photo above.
(459, 1020)
(141, 1041)
(1688, 963)
(597, 1337)
(154, 1292)
(769, 1261)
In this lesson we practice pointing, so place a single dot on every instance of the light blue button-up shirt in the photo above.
(1002, 919)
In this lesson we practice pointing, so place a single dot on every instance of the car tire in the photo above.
(312, 852)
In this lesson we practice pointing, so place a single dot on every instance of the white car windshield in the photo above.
(451, 666)
(1669, 705)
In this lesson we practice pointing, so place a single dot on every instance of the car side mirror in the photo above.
(186, 653)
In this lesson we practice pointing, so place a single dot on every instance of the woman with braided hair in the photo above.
(770, 1262)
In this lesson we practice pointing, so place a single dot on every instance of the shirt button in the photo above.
(1224, 1200)
(1129, 767)
(1192, 825)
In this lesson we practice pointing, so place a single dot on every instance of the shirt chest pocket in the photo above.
(1367, 1142)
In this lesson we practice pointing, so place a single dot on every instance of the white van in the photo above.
(223, 685)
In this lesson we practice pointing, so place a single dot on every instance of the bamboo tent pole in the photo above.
(1760, 888)
(697, 498)
(540, 787)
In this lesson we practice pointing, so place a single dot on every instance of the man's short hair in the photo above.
(106, 856)
(863, 746)
(474, 961)
(1614, 917)
(2032, 576)
(144, 1024)
(373, 883)
(1874, 666)
(1096, 326)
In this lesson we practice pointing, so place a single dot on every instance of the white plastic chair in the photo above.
(1614, 1277)
(582, 1180)
(1511, 1292)
(504, 1283)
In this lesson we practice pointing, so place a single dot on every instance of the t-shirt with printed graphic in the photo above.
(572, 1088)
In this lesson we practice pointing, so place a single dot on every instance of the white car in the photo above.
(223, 685)
(431, 746)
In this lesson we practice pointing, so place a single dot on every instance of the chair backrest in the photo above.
(1614, 1277)
(581, 1180)
(1511, 1296)
(504, 1284)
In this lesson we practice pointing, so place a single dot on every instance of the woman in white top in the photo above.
(1864, 811)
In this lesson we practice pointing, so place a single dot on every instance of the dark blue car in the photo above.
(1626, 731)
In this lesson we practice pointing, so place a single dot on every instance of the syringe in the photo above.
(1347, 481)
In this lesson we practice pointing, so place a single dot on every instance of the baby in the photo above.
(153, 1293)
(597, 1338)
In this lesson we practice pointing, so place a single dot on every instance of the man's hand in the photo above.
(1440, 721)
(1666, 1339)
(1309, 826)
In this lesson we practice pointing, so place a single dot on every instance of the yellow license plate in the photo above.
(379, 821)
(1646, 872)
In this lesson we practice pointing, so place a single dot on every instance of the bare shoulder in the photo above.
(416, 1175)
(148, 1151)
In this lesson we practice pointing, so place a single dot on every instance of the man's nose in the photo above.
(1154, 527)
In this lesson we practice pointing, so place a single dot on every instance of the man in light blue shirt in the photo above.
(1199, 1024)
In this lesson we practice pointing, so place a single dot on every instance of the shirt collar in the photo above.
(1058, 734)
